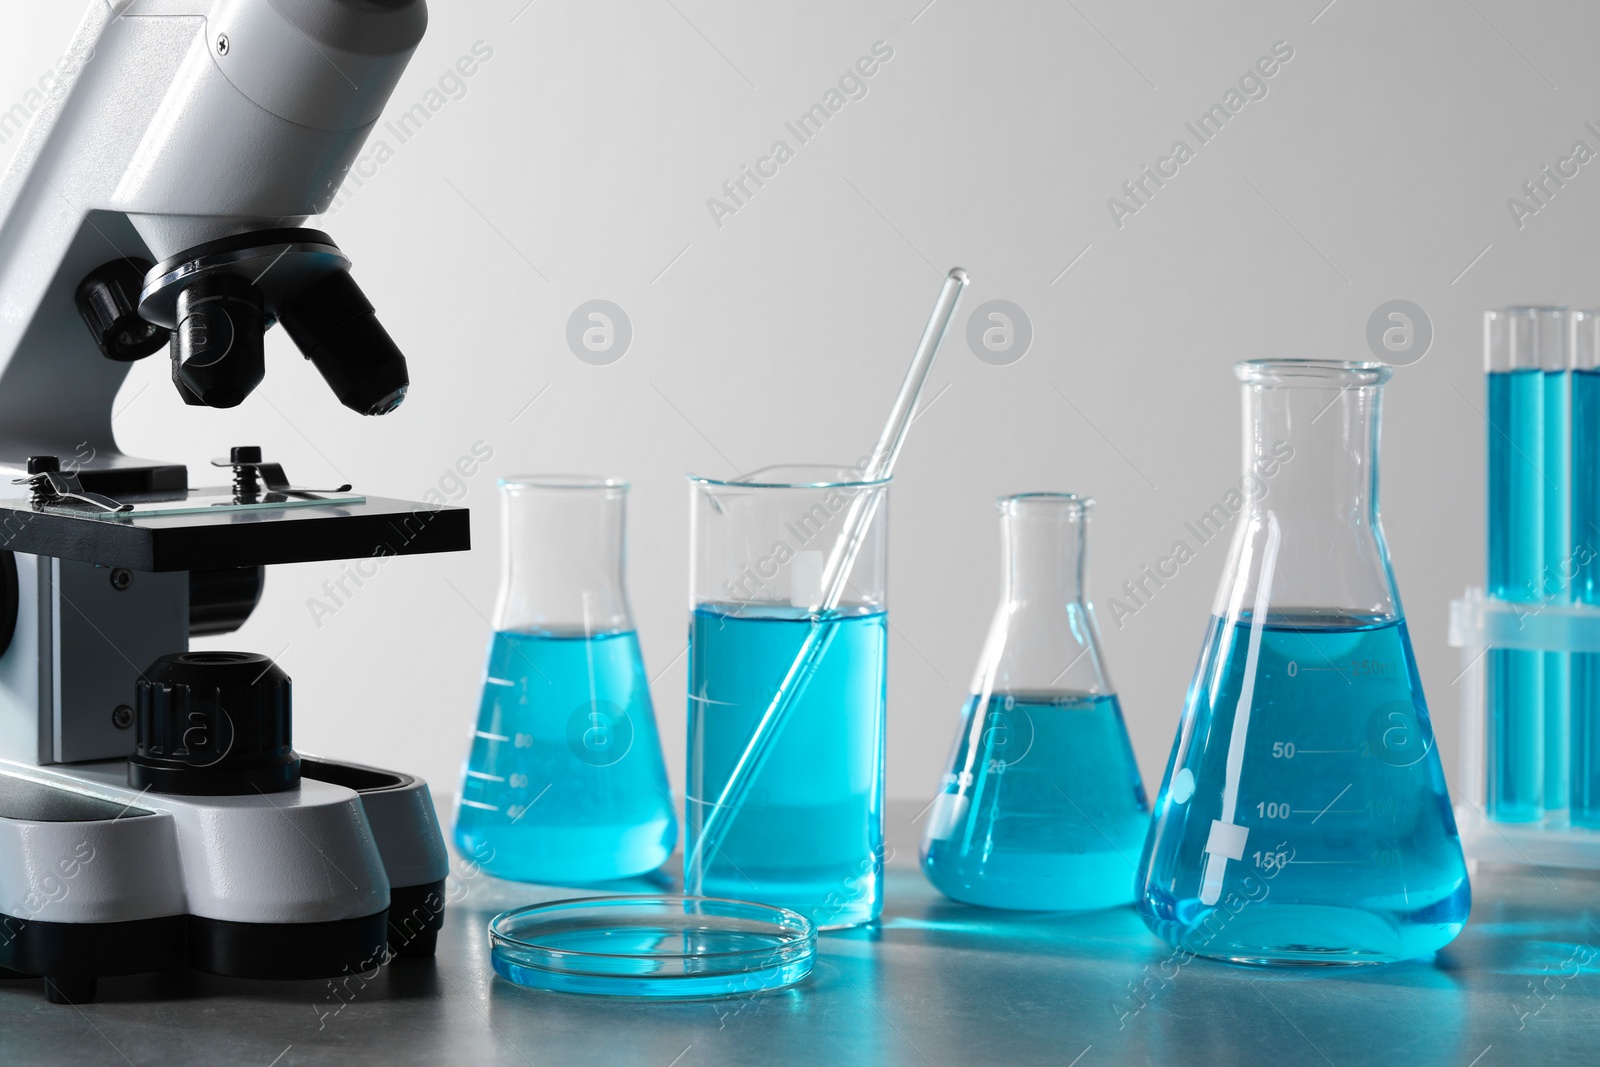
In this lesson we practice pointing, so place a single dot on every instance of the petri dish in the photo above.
(657, 947)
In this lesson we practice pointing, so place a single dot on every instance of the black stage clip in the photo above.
(48, 484)
(250, 474)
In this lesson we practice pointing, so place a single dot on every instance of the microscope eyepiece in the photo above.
(332, 322)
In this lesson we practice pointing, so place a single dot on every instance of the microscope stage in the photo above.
(201, 531)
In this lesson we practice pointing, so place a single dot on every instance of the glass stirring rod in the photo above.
(835, 575)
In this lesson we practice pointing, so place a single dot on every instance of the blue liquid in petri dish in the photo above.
(679, 948)
(1350, 853)
(809, 836)
(1043, 810)
(564, 784)
(1585, 694)
(1557, 568)
(1515, 680)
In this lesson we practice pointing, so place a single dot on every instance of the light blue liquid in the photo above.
(1557, 565)
(1042, 809)
(565, 784)
(809, 836)
(638, 976)
(1585, 717)
(645, 947)
(1351, 853)
(1514, 686)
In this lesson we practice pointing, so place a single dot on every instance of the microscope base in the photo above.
(338, 876)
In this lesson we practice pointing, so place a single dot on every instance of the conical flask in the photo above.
(564, 783)
(1303, 818)
(1042, 807)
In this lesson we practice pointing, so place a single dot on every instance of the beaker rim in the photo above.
(515, 482)
(1074, 503)
(1328, 372)
(819, 476)
(1551, 310)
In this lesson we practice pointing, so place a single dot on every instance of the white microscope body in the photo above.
(198, 135)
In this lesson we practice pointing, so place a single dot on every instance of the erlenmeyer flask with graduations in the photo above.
(1304, 818)
(564, 783)
(1042, 807)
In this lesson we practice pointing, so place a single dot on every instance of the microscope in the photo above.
(153, 811)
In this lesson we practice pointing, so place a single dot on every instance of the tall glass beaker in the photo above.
(807, 829)
(1042, 807)
(564, 783)
(1303, 818)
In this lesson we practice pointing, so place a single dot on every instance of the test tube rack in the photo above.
(1477, 624)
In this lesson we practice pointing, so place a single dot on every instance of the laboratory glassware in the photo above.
(838, 567)
(1477, 625)
(1518, 343)
(564, 783)
(1584, 705)
(835, 576)
(627, 946)
(1303, 817)
(805, 829)
(1042, 807)
(1555, 363)
(682, 948)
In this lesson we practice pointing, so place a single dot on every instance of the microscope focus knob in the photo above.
(108, 300)
(213, 724)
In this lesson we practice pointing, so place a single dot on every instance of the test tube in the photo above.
(1515, 341)
(1555, 359)
(1584, 715)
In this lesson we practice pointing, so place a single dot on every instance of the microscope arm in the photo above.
(176, 124)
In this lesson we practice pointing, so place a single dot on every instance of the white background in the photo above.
(578, 164)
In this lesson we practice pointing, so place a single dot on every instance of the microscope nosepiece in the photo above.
(220, 297)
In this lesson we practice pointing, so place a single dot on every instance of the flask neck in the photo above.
(1311, 454)
(1309, 541)
(1042, 556)
(563, 542)
(1042, 642)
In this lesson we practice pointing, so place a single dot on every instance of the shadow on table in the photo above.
(400, 980)
(947, 924)
(1530, 922)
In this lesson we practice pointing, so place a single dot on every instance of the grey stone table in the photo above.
(936, 983)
